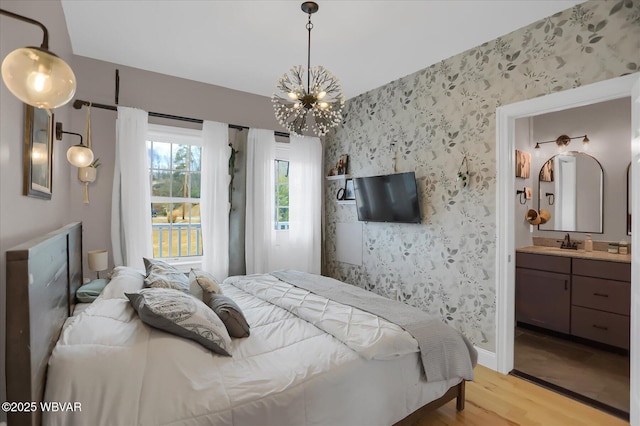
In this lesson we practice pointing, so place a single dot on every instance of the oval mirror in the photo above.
(570, 187)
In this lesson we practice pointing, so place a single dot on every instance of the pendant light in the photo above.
(78, 155)
(35, 75)
(316, 107)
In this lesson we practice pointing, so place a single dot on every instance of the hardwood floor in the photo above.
(585, 370)
(494, 399)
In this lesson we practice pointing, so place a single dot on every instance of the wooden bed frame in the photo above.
(42, 277)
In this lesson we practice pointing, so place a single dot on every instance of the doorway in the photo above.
(505, 250)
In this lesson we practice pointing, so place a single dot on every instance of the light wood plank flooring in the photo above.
(594, 373)
(494, 399)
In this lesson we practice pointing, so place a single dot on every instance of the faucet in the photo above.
(568, 244)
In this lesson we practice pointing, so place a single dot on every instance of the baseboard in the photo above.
(487, 359)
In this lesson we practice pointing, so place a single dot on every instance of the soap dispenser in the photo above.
(588, 243)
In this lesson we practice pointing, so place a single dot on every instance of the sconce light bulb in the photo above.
(79, 156)
(536, 150)
(38, 77)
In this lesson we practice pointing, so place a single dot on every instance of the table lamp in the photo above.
(98, 261)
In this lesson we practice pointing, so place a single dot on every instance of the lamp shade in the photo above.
(98, 260)
(38, 77)
(80, 155)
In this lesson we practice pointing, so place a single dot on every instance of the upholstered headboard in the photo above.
(42, 277)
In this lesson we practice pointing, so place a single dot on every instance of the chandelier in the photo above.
(317, 107)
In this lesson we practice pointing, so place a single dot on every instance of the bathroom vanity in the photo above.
(577, 293)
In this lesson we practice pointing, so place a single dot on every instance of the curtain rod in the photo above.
(78, 104)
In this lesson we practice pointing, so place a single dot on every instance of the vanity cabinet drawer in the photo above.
(543, 262)
(602, 269)
(604, 295)
(543, 299)
(604, 327)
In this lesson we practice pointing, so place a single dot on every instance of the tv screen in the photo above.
(387, 198)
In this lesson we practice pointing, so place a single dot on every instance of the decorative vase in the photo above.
(86, 175)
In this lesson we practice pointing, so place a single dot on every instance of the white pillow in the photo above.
(123, 280)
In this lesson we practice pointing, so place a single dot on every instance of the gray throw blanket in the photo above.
(444, 351)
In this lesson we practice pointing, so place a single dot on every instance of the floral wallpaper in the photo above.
(427, 121)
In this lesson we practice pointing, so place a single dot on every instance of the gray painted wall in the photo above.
(523, 231)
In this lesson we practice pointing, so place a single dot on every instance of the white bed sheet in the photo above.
(79, 308)
(288, 372)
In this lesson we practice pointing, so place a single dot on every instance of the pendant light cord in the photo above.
(309, 28)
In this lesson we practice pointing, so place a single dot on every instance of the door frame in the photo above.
(505, 222)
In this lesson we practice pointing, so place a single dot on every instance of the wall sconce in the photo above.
(35, 75)
(78, 155)
(562, 142)
(524, 194)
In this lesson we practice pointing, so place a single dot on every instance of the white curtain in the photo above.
(214, 198)
(259, 225)
(305, 203)
(131, 198)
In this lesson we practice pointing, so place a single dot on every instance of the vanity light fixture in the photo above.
(562, 142)
(78, 155)
(35, 75)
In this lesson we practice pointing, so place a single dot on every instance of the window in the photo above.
(174, 173)
(282, 194)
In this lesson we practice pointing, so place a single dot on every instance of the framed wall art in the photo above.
(523, 164)
(38, 152)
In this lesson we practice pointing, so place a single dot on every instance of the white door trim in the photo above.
(505, 186)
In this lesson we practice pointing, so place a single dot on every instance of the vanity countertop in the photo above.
(580, 254)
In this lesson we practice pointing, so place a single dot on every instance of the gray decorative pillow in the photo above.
(162, 275)
(206, 281)
(183, 315)
(229, 313)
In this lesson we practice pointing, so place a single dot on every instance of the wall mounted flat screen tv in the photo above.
(387, 198)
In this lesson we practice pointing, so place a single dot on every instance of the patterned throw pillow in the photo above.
(162, 275)
(229, 313)
(183, 315)
(205, 281)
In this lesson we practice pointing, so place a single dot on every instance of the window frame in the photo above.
(282, 154)
(175, 136)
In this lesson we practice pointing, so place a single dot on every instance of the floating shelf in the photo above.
(346, 201)
(339, 177)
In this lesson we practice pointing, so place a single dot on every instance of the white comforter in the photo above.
(289, 371)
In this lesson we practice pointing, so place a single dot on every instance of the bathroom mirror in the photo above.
(570, 187)
(629, 199)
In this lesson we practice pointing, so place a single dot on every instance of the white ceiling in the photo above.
(248, 45)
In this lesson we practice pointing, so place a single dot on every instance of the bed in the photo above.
(291, 370)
